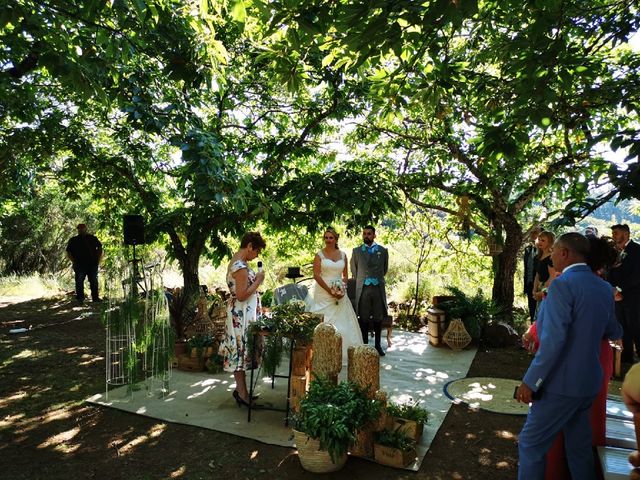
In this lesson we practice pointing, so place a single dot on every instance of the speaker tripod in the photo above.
(135, 283)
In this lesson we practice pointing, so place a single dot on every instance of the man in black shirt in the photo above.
(625, 275)
(85, 252)
(530, 252)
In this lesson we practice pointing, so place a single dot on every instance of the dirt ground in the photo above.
(48, 432)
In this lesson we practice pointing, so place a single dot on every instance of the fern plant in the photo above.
(408, 411)
(332, 413)
(474, 311)
(396, 439)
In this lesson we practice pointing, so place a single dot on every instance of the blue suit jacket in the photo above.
(576, 315)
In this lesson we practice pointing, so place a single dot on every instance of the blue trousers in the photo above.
(548, 416)
(82, 272)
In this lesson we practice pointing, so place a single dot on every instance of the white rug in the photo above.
(411, 369)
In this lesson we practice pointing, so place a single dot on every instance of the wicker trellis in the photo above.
(456, 335)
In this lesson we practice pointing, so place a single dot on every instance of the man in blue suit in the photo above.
(565, 375)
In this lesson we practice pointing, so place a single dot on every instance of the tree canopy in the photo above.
(210, 116)
(497, 113)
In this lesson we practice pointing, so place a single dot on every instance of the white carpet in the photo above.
(411, 369)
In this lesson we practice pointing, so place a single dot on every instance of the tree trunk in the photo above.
(183, 307)
(504, 269)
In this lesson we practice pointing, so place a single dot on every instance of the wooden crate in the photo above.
(392, 456)
(300, 360)
(410, 428)
(191, 364)
(298, 389)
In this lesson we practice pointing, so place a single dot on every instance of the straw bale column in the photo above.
(327, 352)
(364, 368)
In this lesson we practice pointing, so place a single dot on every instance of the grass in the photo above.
(33, 286)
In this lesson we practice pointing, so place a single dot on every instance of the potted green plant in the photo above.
(287, 322)
(394, 448)
(408, 418)
(475, 311)
(214, 364)
(198, 344)
(327, 421)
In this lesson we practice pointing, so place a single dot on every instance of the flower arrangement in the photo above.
(337, 287)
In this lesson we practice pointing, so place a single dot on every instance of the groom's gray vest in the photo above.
(365, 265)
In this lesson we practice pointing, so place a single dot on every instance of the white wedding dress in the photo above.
(337, 312)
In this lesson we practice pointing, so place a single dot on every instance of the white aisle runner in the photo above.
(411, 369)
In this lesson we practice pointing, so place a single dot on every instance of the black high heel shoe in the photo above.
(239, 400)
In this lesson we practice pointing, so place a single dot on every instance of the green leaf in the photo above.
(239, 12)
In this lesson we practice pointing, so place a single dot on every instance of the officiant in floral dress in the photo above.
(242, 310)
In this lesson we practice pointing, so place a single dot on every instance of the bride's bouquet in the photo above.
(337, 288)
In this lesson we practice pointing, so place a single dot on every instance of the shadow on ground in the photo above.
(47, 431)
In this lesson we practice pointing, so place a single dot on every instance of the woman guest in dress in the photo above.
(243, 309)
(602, 256)
(543, 265)
(330, 272)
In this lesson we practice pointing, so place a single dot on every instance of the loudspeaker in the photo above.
(133, 228)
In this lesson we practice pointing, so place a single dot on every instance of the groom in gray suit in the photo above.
(369, 265)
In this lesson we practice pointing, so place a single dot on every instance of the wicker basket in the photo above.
(218, 319)
(312, 458)
(456, 335)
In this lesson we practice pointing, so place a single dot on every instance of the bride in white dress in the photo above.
(330, 270)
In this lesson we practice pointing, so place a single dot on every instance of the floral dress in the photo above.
(234, 346)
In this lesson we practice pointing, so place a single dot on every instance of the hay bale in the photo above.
(382, 420)
(364, 368)
(327, 351)
(362, 446)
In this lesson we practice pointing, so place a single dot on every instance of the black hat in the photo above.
(293, 272)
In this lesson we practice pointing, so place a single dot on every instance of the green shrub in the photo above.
(411, 323)
(474, 311)
(332, 413)
(408, 411)
(396, 439)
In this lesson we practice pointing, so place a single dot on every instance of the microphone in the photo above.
(259, 265)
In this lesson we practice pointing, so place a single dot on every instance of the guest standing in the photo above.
(631, 396)
(530, 253)
(369, 265)
(602, 255)
(85, 252)
(566, 374)
(626, 276)
(242, 311)
(543, 265)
